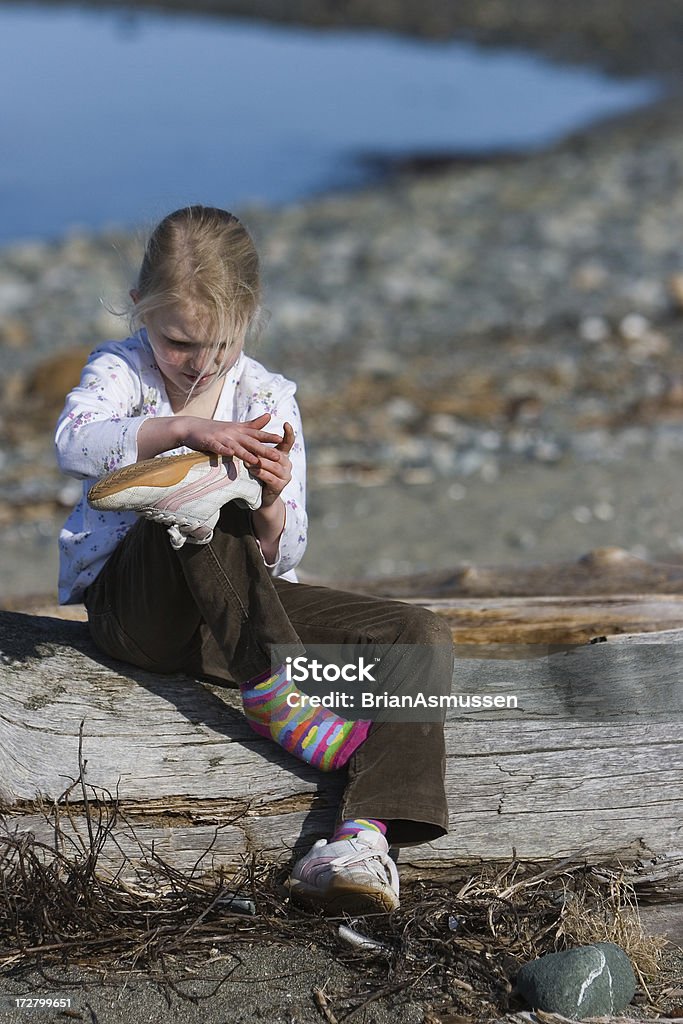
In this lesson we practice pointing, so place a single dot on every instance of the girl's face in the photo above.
(185, 351)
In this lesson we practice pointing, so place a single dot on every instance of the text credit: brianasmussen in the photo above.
(378, 701)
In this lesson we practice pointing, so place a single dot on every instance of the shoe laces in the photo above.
(177, 538)
(371, 858)
(178, 535)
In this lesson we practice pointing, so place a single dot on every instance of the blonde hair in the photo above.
(204, 257)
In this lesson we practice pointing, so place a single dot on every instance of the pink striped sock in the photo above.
(315, 735)
(352, 826)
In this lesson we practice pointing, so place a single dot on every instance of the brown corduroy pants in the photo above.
(213, 610)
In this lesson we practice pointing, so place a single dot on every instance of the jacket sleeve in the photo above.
(97, 429)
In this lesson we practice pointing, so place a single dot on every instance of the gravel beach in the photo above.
(489, 360)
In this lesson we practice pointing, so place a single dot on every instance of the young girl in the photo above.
(186, 562)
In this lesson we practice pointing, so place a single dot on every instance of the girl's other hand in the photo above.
(274, 470)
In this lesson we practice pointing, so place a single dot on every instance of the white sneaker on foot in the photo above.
(354, 875)
(184, 492)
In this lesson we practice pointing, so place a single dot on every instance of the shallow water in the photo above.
(116, 116)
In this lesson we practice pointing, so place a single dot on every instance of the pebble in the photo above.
(401, 410)
(634, 327)
(603, 511)
(489, 472)
(470, 462)
(582, 514)
(490, 440)
(14, 294)
(588, 981)
(594, 329)
(547, 451)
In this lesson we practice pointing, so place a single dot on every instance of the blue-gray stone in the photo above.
(588, 981)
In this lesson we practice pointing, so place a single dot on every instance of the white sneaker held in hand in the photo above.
(184, 492)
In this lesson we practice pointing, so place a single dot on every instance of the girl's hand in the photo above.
(274, 470)
(247, 441)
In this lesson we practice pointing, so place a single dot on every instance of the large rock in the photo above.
(588, 981)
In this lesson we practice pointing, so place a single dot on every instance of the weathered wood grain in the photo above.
(589, 765)
(538, 620)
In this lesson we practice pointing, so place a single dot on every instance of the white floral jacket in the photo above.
(120, 387)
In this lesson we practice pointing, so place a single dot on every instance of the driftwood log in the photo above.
(589, 766)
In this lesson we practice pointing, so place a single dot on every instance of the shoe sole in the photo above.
(343, 899)
(151, 473)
